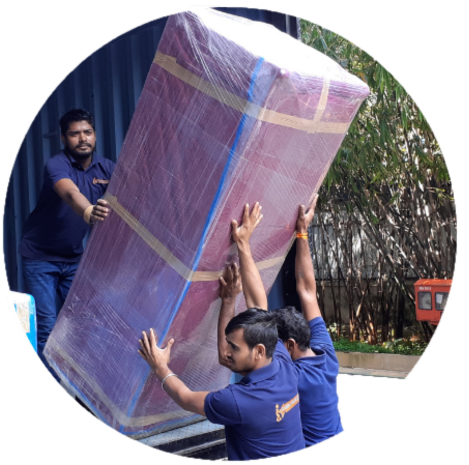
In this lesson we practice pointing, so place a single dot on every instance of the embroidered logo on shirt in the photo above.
(286, 407)
(100, 181)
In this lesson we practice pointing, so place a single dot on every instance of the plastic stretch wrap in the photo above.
(232, 112)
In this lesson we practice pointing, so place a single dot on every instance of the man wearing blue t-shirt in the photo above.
(261, 412)
(310, 347)
(52, 241)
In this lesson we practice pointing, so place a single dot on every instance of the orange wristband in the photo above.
(302, 235)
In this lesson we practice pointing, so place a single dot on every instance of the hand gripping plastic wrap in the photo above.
(232, 112)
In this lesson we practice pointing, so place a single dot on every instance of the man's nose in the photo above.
(83, 136)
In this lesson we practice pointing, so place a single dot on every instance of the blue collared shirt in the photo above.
(261, 412)
(53, 231)
(317, 385)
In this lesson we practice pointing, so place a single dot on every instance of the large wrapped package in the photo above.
(232, 112)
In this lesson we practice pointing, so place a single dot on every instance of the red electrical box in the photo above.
(431, 296)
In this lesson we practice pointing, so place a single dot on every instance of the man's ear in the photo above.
(62, 138)
(259, 351)
(291, 344)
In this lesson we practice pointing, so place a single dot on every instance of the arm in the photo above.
(158, 360)
(230, 287)
(253, 288)
(68, 191)
(304, 271)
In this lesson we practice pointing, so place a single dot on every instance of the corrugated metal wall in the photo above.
(108, 84)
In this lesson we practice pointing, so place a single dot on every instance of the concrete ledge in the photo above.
(386, 362)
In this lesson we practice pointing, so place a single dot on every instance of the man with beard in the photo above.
(52, 241)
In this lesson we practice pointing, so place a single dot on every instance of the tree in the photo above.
(389, 196)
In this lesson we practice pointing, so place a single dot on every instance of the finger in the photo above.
(168, 346)
(229, 275)
(234, 227)
(315, 201)
(235, 270)
(246, 214)
(258, 220)
(99, 215)
(255, 210)
(225, 271)
(153, 339)
(100, 208)
(143, 348)
(146, 343)
(102, 202)
(312, 205)
(311, 209)
(142, 345)
(222, 281)
(142, 355)
(239, 283)
(301, 213)
(234, 273)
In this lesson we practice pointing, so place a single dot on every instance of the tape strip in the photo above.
(169, 64)
(167, 256)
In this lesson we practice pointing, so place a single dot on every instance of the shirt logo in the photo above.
(280, 412)
(100, 181)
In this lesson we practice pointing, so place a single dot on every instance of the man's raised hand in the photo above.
(230, 283)
(304, 218)
(242, 233)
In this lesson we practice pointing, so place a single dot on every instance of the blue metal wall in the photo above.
(108, 84)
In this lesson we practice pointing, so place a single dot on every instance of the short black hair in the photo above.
(73, 115)
(291, 324)
(259, 328)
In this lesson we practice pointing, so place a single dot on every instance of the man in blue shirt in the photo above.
(52, 241)
(261, 412)
(310, 347)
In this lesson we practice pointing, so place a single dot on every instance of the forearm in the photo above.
(305, 280)
(253, 287)
(304, 270)
(183, 396)
(77, 201)
(226, 314)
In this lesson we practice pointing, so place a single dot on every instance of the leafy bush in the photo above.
(399, 346)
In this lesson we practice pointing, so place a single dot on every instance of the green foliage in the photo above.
(389, 191)
(399, 346)
(379, 131)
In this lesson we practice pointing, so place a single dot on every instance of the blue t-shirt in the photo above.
(317, 385)
(261, 412)
(53, 231)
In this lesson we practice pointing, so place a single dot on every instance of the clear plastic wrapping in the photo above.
(232, 112)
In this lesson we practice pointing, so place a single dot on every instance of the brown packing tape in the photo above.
(167, 256)
(170, 64)
(151, 240)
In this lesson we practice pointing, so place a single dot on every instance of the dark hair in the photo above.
(75, 114)
(291, 324)
(259, 328)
